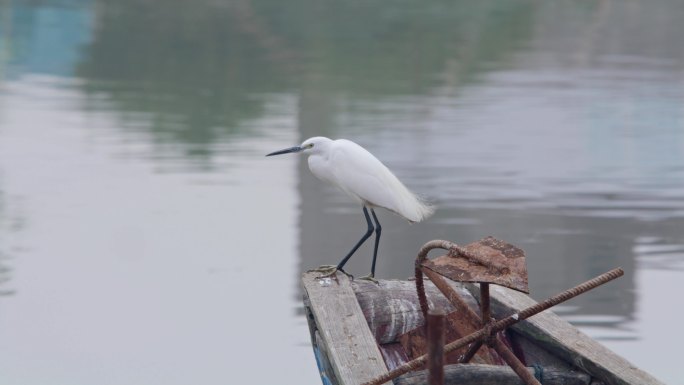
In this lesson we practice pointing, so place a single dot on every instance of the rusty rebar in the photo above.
(470, 353)
(422, 255)
(453, 297)
(466, 311)
(484, 302)
(503, 323)
(435, 346)
(513, 362)
(564, 296)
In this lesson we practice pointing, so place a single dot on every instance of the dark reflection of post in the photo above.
(317, 244)
(4, 269)
(8, 224)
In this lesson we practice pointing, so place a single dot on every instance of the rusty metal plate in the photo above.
(487, 260)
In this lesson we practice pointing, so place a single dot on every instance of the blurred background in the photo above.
(145, 238)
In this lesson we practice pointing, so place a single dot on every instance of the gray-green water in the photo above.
(145, 238)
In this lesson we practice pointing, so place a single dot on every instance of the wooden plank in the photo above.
(325, 369)
(344, 334)
(559, 337)
(476, 374)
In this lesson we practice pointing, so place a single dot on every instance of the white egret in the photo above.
(366, 180)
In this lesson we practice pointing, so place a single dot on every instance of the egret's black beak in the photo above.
(286, 151)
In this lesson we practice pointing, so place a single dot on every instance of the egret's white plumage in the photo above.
(365, 179)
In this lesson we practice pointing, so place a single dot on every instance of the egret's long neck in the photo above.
(318, 164)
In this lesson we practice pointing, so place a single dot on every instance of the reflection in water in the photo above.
(42, 38)
(192, 79)
(555, 126)
(136, 276)
(656, 254)
(5, 271)
(12, 224)
(203, 70)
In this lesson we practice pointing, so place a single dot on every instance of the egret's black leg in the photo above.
(378, 231)
(369, 232)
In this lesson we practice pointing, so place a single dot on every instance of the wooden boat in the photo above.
(356, 328)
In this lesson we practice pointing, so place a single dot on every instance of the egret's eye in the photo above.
(310, 145)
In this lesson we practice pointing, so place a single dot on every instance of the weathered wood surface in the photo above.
(394, 354)
(325, 369)
(475, 374)
(344, 334)
(392, 309)
(559, 337)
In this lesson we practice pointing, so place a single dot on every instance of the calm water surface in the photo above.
(145, 238)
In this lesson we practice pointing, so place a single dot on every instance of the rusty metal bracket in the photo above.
(487, 260)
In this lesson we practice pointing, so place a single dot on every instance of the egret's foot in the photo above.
(329, 270)
(371, 278)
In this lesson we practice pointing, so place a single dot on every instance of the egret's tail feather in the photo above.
(423, 210)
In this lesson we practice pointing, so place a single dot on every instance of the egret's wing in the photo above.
(360, 174)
